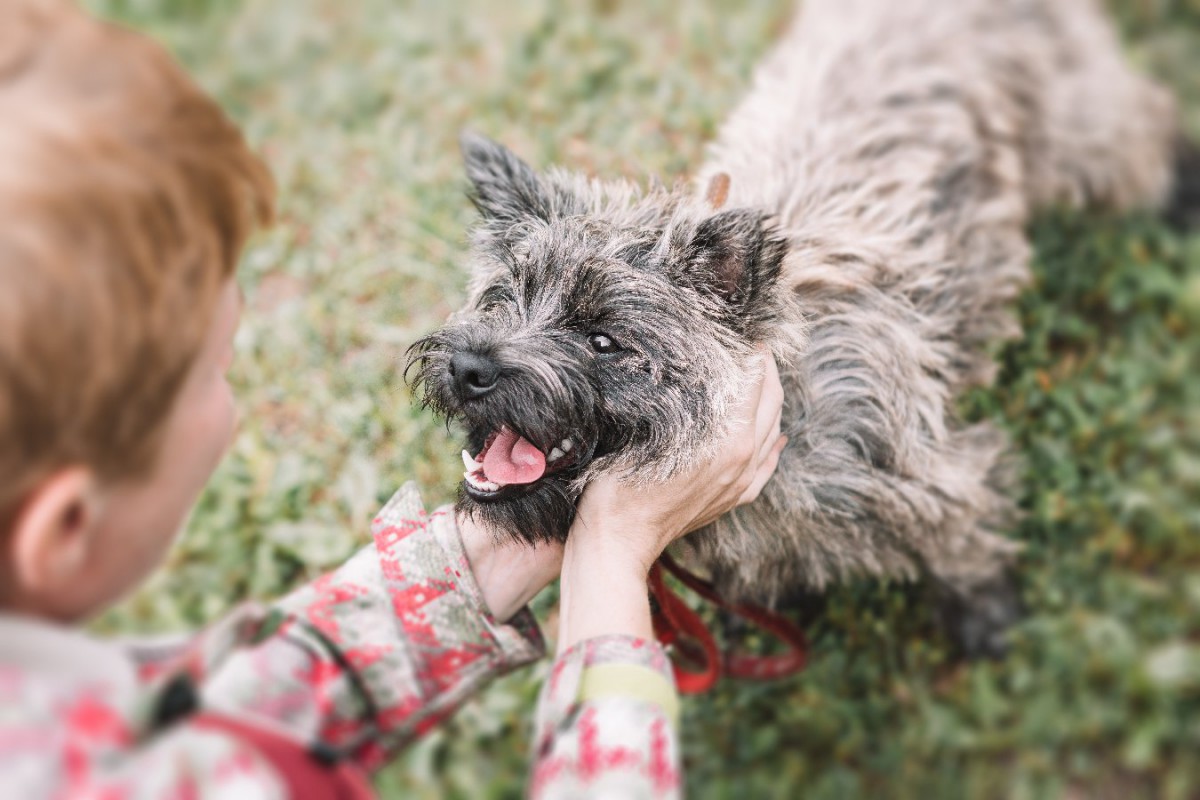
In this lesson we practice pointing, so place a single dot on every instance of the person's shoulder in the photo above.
(60, 690)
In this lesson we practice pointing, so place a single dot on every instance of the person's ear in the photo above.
(55, 531)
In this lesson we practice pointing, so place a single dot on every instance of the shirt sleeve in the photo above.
(367, 658)
(298, 699)
(606, 723)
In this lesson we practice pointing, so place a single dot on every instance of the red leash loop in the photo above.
(676, 624)
(694, 646)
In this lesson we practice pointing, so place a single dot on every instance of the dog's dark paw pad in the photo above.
(978, 621)
(1183, 209)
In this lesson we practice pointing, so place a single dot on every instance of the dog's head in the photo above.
(606, 329)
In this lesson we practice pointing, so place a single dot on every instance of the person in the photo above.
(127, 197)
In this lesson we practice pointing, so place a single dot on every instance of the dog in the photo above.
(862, 213)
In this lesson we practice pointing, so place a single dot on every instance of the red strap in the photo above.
(305, 776)
(676, 624)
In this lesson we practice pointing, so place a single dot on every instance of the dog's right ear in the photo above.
(504, 188)
(734, 255)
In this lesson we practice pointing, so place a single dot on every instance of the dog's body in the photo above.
(880, 177)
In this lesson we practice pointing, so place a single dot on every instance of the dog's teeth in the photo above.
(555, 455)
(483, 486)
(470, 463)
(566, 445)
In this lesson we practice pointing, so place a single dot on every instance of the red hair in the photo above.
(127, 196)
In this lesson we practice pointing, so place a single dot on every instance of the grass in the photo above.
(357, 107)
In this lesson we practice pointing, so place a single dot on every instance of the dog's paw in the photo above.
(977, 621)
(1183, 209)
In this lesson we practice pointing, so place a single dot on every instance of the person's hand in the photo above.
(642, 521)
(620, 529)
(509, 573)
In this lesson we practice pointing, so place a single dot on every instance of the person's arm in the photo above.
(339, 676)
(371, 656)
(606, 718)
(307, 695)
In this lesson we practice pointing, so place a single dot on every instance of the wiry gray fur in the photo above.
(895, 149)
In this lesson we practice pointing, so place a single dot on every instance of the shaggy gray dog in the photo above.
(863, 212)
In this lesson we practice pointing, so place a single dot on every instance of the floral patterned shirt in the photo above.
(306, 697)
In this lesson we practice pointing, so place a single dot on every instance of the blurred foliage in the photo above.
(357, 107)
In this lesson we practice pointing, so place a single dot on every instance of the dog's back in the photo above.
(901, 147)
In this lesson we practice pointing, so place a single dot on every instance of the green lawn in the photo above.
(357, 106)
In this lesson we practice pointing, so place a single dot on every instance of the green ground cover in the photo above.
(357, 106)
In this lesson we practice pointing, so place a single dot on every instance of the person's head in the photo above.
(126, 196)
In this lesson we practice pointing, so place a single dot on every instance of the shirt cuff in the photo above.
(606, 667)
(407, 615)
(519, 640)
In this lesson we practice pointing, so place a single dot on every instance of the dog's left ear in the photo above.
(734, 256)
(504, 188)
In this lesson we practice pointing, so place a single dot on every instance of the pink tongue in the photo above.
(511, 459)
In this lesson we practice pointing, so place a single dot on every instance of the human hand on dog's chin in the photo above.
(509, 573)
(620, 530)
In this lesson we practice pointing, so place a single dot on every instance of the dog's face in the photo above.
(605, 330)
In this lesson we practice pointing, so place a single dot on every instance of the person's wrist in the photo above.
(615, 554)
(603, 592)
(623, 538)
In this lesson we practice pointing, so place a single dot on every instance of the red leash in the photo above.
(694, 646)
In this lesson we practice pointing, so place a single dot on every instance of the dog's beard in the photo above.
(540, 504)
(543, 514)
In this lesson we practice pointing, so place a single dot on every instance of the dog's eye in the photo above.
(602, 344)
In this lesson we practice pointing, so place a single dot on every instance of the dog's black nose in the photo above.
(474, 374)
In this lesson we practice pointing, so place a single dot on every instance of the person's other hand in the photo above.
(621, 529)
(643, 520)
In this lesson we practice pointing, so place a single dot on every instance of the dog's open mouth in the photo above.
(510, 462)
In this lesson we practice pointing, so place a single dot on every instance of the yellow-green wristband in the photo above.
(632, 682)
